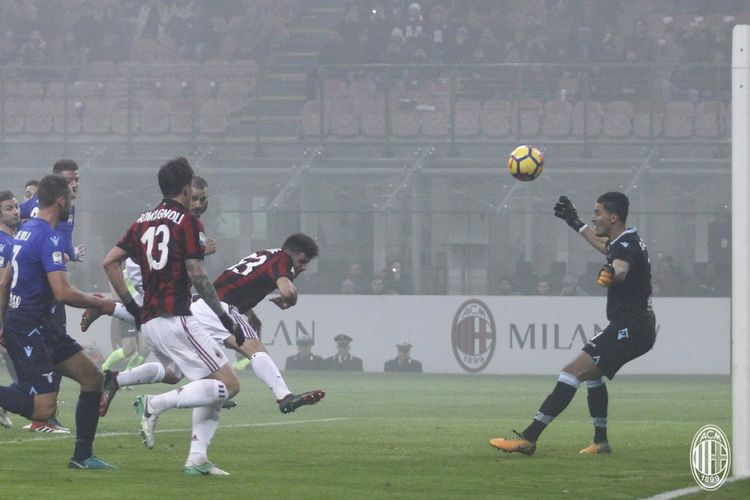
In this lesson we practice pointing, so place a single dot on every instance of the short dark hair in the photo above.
(31, 182)
(200, 182)
(64, 166)
(175, 175)
(301, 243)
(51, 187)
(615, 203)
(5, 196)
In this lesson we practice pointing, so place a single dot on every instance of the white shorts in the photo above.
(184, 346)
(211, 323)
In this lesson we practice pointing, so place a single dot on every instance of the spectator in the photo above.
(570, 287)
(668, 277)
(88, 29)
(347, 287)
(201, 41)
(72, 52)
(377, 285)
(414, 26)
(543, 287)
(357, 277)
(304, 359)
(505, 286)
(403, 362)
(378, 29)
(460, 49)
(720, 243)
(343, 359)
(397, 281)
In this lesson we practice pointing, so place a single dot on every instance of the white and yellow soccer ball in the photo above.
(526, 163)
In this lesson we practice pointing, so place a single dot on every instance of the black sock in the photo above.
(17, 401)
(598, 400)
(555, 403)
(87, 418)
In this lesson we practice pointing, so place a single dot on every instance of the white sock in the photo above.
(147, 373)
(202, 392)
(123, 314)
(266, 370)
(205, 422)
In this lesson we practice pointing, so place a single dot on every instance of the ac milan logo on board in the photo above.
(473, 335)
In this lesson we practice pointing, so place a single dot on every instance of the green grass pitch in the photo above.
(387, 436)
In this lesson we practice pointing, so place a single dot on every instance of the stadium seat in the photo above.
(360, 90)
(214, 116)
(39, 116)
(372, 116)
(618, 119)
(709, 119)
(154, 116)
(55, 90)
(23, 90)
(97, 115)
(15, 116)
(181, 116)
(593, 118)
(99, 70)
(679, 118)
(496, 118)
(70, 122)
(404, 121)
(556, 118)
(648, 119)
(468, 113)
(120, 117)
(434, 119)
(143, 50)
(86, 89)
(344, 119)
(529, 116)
(311, 118)
(235, 90)
(335, 88)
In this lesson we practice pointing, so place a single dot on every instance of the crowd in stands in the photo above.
(78, 32)
(546, 31)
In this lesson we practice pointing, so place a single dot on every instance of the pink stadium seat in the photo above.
(97, 115)
(468, 114)
(496, 118)
(434, 120)
(214, 116)
(23, 90)
(529, 115)
(73, 121)
(154, 116)
(618, 119)
(15, 116)
(335, 88)
(181, 116)
(404, 121)
(120, 117)
(678, 119)
(593, 113)
(709, 119)
(344, 119)
(372, 116)
(40, 116)
(311, 119)
(648, 119)
(556, 118)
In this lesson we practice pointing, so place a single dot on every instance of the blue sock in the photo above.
(87, 418)
(17, 401)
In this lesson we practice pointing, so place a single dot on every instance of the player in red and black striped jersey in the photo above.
(166, 244)
(241, 287)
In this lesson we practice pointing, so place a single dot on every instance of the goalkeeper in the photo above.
(630, 333)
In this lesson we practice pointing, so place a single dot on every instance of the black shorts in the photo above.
(35, 350)
(617, 344)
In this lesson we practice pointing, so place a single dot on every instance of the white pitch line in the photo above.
(54, 437)
(668, 495)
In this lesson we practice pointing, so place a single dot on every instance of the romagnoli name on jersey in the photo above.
(161, 213)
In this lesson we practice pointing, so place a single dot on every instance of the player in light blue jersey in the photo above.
(31, 288)
(9, 220)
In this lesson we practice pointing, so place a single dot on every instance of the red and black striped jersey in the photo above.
(160, 241)
(246, 283)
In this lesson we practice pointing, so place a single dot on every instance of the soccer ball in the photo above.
(526, 163)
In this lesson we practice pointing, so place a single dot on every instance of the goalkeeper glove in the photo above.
(135, 310)
(233, 328)
(565, 210)
(606, 275)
